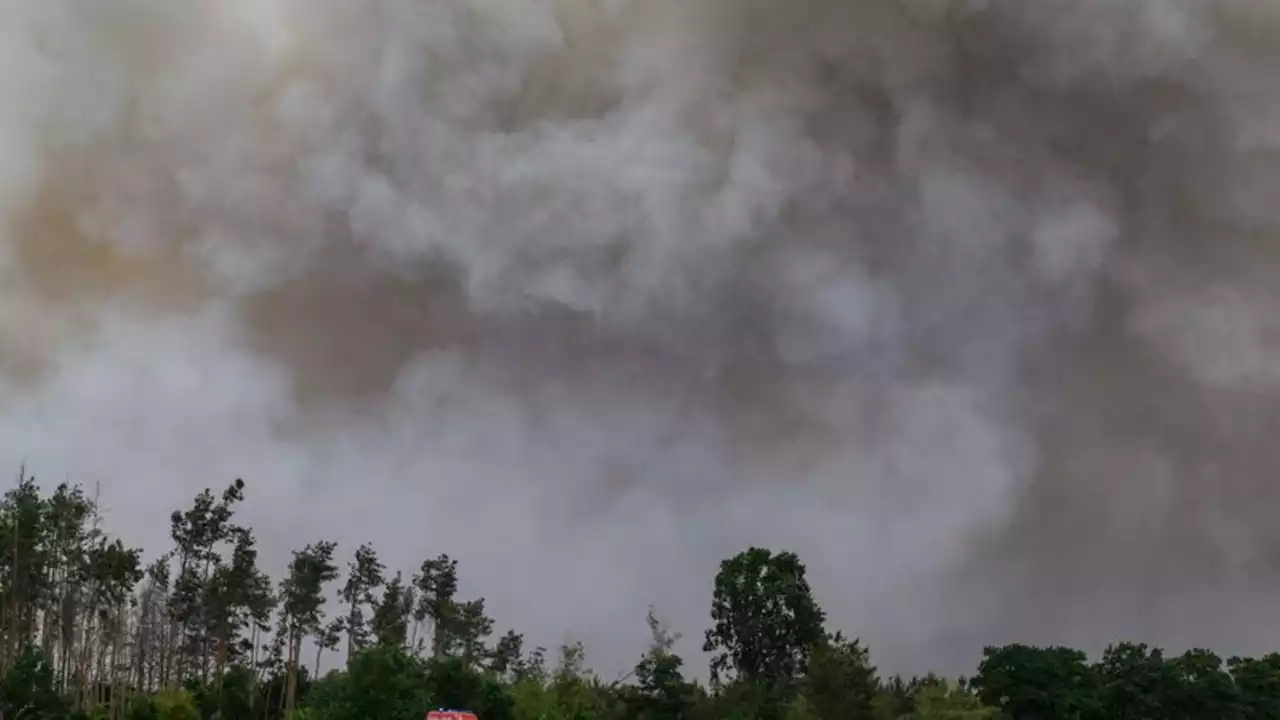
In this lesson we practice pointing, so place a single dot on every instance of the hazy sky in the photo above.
(972, 303)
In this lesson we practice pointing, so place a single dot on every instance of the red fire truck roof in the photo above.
(451, 715)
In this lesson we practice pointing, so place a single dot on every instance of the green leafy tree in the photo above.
(940, 700)
(1135, 682)
(141, 707)
(236, 595)
(28, 689)
(743, 700)
(533, 666)
(390, 621)
(662, 692)
(302, 605)
(766, 622)
(472, 627)
(1202, 688)
(197, 534)
(505, 656)
(176, 705)
(328, 639)
(895, 698)
(233, 694)
(23, 532)
(1030, 683)
(113, 572)
(1258, 682)
(364, 577)
(67, 517)
(437, 586)
(801, 708)
(841, 682)
(571, 684)
(456, 684)
(383, 682)
(530, 699)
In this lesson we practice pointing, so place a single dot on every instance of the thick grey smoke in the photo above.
(973, 303)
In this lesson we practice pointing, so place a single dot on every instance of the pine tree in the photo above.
(364, 576)
(302, 605)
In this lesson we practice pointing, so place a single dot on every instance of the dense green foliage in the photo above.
(201, 633)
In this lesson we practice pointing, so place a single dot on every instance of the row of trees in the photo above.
(87, 630)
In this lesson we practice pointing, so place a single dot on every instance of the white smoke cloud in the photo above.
(969, 302)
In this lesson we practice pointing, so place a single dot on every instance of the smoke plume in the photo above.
(973, 303)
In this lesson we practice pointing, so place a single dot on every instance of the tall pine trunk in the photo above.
(291, 683)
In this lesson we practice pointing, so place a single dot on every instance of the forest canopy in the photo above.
(88, 629)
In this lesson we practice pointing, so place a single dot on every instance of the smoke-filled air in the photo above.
(974, 304)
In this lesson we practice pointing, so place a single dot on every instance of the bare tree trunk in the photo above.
(100, 670)
(351, 630)
(254, 670)
(253, 650)
(172, 666)
(139, 647)
(295, 649)
(117, 688)
(52, 579)
(84, 664)
(284, 689)
(14, 623)
(4, 638)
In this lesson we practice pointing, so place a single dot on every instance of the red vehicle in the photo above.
(451, 715)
